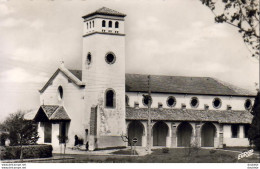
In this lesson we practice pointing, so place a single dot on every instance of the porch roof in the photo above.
(51, 113)
(221, 116)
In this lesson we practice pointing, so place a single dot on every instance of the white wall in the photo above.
(73, 102)
(229, 141)
(237, 103)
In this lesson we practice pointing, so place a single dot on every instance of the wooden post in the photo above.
(149, 116)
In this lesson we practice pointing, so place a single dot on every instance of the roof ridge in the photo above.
(169, 75)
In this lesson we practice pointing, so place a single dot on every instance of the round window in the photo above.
(110, 58)
(146, 100)
(60, 90)
(194, 102)
(89, 58)
(216, 103)
(171, 101)
(248, 104)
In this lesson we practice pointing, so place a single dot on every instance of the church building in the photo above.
(101, 102)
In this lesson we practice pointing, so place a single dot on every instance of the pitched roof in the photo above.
(51, 113)
(77, 73)
(74, 75)
(181, 85)
(105, 11)
(221, 116)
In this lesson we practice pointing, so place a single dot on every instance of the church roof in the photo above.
(105, 11)
(221, 116)
(51, 113)
(166, 84)
(182, 85)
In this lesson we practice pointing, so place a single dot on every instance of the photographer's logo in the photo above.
(245, 154)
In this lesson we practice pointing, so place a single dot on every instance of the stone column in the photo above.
(241, 131)
(221, 136)
(198, 134)
(144, 136)
(169, 135)
(174, 135)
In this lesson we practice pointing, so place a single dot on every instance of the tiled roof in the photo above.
(221, 116)
(181, 84)
(105, 11)
(52, 112)
(60, 114)
(49, 109)
(74, 75)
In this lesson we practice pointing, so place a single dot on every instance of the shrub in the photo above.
(165, 150)
(29, 151)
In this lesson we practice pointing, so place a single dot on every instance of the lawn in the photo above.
(174, 155)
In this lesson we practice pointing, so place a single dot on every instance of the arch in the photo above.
(116, 24)
(110, 98)
(89, 24)
(208, 133)
(160, 132)
(135, 130)
(184, 133)
(103, 23)
(110, 24)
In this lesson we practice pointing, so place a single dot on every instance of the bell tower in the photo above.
(103, 71)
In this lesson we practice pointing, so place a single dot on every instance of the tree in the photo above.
(254, 130)
(242, 14)
(20, 131)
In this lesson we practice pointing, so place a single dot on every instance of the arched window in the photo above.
(93, 23)
(110, 98)
(89, 58)
(103, 23)
(110, 24)
(116, 25)
(60, 90)
(87, 25)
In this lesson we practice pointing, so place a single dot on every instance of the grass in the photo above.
(174, 155)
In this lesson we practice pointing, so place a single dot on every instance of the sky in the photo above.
(163, 37)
